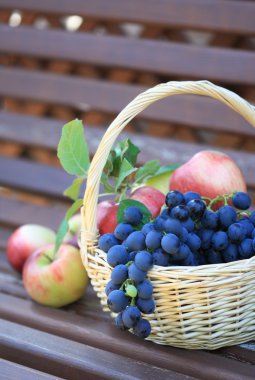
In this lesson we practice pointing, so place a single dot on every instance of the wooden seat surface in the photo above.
(49, 75)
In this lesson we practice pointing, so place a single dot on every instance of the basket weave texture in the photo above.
(204, 307)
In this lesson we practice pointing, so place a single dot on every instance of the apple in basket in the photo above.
(107, 210)
(209, 173)
(55, 279)
(25, 240)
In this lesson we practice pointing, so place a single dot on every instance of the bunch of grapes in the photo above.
(188, 232)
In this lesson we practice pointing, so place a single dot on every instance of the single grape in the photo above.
(180, 212)
(184, 235)
(135, 241)
(119, 274)
(246, 248)
(230, 253)
(133, 215)
(193, 241)
(145, 289)
(159, 257)
(110, 287)
(189, 225)
(210, 220)
(253, 234)
(117, 301)
(159, 223)
(183, 252)
(136, 274)
(236, 232)
(252, 218)
(132, 255)
(248, 225)
(227, 216)
(170, 243)
(147, 228)
(165, 213)
(197, 208)
(253, 243)
(241, 200)
(122, 231)
(142, 329)
(190, 195)
(119, 322)
(131, 291)
(107, 241)
(117, 255)
(205, 236)
(147, 306)
(214, 257)
(173, 226)
(190, 260)
(143, 260)
(219, 240)
(131, 316)
(153, 240)
(174, 198)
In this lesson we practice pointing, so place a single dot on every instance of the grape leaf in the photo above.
(128, 150)
(130, 203)
(125, 170)
(73, 190)
(73, 150)
(149, 169)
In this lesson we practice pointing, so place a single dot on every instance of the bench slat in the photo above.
(108, 97)
(11, 370)
(226, 65)
(217, 15)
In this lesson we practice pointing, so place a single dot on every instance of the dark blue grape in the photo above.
(210, 220)
(135, 241)
(165, 213)
(253, 234)
(246, 248)
(206, 236)
(136, 274)
(132, 255)
(190, 260)
(189, 225)
(236, 232)
(248, 225)
(117, 255)
(214, 257)
(133, 215)
(252, 218)
(110, 287)
(119, 322)
(145, 289)
(193, 241)
(253, 243)
(201, 258)
(241, 200)
(153, 240)
(147, 306)
(184, 235)
(230, 253)
(122, 231)
(159, 257)
(170, 243)
(219, 240)
(131, 316)
(180, 212)
(117, 301)
(197, 208)
(159, 223)
(107, 241)
(142, 329)
(190, 195)
(227, 216)
(119, 274)
(174, 198)
(173, 226)
(143, 260)
(183, 252)
(147, 228)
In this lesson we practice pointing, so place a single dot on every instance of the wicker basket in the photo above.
(204, 307)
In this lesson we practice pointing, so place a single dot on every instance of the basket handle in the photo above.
(89, 227)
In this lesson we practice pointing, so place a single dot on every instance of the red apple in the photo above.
(73, 233)
(25, 240)
(209, 173)
(107, 216)
(55, 280)
(152, 198)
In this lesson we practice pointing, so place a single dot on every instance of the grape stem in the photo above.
(224, 197)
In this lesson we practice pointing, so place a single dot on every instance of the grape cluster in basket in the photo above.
(188, 232)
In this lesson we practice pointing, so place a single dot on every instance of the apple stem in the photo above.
(49, 258)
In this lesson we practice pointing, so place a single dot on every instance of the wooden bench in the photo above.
(49, 75)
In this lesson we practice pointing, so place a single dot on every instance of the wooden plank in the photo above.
(236, 17)
(11, 370)
(102, 334)
(226, 65)
(62, 357)
(90, 94)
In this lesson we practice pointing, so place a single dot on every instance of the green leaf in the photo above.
(108, 188)
(167, 168)
(73, 150)
(64, 227)
(73, 191)
(149, 169)
(130, 202)
(125, 170)
(128, 150)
